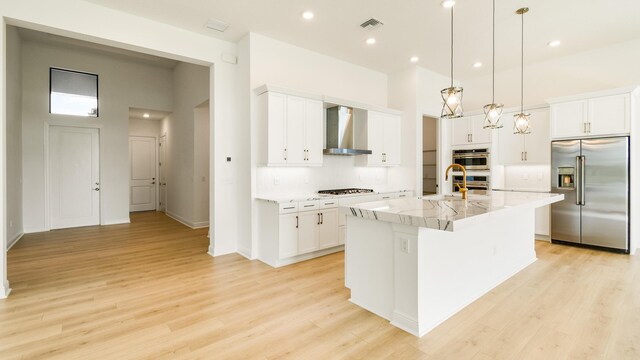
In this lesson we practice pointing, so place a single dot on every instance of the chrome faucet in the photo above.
(463, 189)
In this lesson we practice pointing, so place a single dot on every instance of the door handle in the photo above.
(582, 191)
(96, 189)
(153, 183)
(578, 182)
(297, 222)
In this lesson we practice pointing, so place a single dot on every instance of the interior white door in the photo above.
(74, 172)
(142, 155)
(162, 177)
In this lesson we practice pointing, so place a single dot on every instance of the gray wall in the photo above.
(14, 136)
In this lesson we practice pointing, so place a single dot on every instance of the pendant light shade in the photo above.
(493, 111)
(521, 121)
(451, 96)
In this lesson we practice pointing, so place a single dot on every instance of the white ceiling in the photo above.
(412, 27)
(138, 113)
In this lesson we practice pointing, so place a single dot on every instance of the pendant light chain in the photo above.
(522, 66)
(452, 46)
(493, 65)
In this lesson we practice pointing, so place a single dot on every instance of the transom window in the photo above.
(73, 93)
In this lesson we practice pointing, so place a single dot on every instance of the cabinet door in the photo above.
(276, 128)
(328, 234)
(480, 135)
(461, 134)
(375, 137)
(510, 145)
(537, 145)
(609, 115)
(314, 131)
(296, 115)
(288, 229)
(308, 223)
(392, 134)
(568, 119)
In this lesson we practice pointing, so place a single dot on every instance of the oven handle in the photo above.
(471, 156)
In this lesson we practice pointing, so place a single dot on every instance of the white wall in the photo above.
(144, 127)
(201, 165)
(190, 89)
(122, 84)
(14, 137)
(599, 69)
(87, 21)
(276, 63)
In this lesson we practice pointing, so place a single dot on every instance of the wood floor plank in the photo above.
(149, 290)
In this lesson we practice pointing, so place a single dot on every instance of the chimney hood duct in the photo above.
(340, 132)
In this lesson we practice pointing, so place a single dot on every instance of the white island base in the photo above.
(417, 277)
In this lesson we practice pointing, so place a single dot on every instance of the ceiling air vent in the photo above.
(371, 24)
(216, 24)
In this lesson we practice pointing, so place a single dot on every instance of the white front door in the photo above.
(162, 171)
(74, 170)
(142, 155)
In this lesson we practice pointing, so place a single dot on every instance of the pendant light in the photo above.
(493, 111)
(452, 96)
(521, 120)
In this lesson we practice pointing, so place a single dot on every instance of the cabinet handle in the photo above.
(584, 128)
(471, 135)
(468, 137)
(318, 218)
(525, 156)
(297, 222)
(285, 154)
(321, 218)
(589, 127)
(521, 155)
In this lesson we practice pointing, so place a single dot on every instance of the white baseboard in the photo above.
(4, 290)
(245, 253)
(11, 242)
(546, 238)
(183, 221)
(116, 222)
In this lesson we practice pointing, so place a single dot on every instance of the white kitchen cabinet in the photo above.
(597, 116)
(308, 231)
(469, 131)
(288, 239)
(328, 228)
(383, 139)
(294, 130)
(534, 148)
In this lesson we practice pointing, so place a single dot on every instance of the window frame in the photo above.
(52, 68)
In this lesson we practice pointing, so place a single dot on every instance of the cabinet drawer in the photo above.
(328, 204)
(287, 208)
(387, 196)
(308, 205)
(405, 194)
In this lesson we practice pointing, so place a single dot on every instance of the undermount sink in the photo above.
(473, 195)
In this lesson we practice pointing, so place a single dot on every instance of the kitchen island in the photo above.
(418, 261)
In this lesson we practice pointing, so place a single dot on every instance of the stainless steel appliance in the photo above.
(593, 175)
(472, 159)
(474, 182)
(345, 191)
(340, 132)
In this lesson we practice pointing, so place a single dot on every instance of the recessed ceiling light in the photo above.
(448, 3)
(307, 15)
(371, 41)
(414, 59)
(554, 43)
(477, 64)
(145, 115)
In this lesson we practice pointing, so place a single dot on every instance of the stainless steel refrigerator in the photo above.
(593, 175)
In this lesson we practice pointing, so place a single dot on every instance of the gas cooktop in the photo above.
(345, 191)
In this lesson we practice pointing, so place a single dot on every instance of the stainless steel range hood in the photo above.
(340, 132)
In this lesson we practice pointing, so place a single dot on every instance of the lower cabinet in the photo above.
(288, 226)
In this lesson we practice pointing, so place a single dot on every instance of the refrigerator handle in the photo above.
(582, 199)
(578, 181)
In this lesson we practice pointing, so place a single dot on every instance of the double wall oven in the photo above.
(474, 160)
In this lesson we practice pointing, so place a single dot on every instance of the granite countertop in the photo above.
(311, 197)
(448, 212)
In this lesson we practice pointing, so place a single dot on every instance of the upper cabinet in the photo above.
(469, 131)
(383, 138)
(534, 148)
(294, 129)
(595, 116)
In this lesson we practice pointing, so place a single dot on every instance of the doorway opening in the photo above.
(429, 155)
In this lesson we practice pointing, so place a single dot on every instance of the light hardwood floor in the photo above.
(149, 290)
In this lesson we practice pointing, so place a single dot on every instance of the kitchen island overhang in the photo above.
(418, 261)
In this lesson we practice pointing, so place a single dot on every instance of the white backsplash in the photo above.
(336, 172)
(527, 177)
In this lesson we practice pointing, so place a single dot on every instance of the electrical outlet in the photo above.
(404, 245)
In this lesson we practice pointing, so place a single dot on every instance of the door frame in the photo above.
(157, 169)
(166, 142)
(47, 181)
